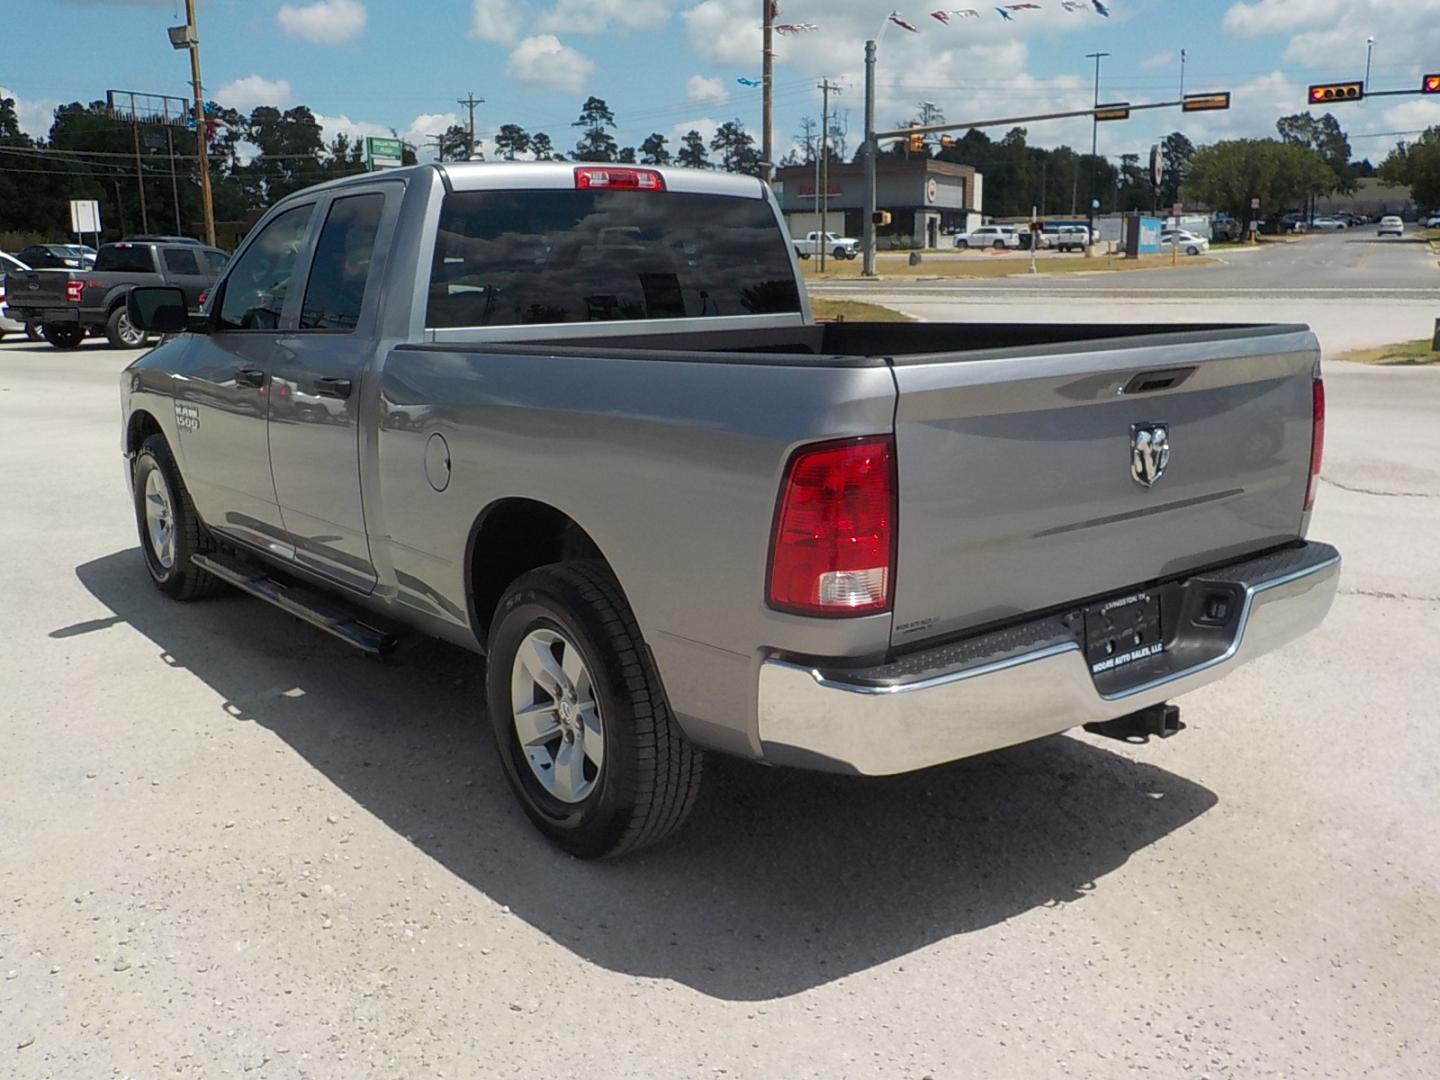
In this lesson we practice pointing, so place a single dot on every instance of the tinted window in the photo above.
(214, 260)
(255, 288)
(125, 260)
(179, 261)
(341, 266)
(507, 258)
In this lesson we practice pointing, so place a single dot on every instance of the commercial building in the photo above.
(926, 200)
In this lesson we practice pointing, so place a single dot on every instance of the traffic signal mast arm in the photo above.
(1197, 103)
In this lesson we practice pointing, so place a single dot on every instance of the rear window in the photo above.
(513, 258)
(214, 260)
(181, 261)
(125, 260)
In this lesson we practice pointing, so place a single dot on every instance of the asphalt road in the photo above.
(231, 847)
(1353, 288)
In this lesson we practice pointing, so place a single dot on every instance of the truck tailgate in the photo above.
(1015, 467)
(39, 288)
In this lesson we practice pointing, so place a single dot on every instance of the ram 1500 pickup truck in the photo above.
(578, 418)
(67, 304)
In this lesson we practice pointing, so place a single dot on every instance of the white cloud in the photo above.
(1331, 34)
(596, 16)
(34, 114)
(326, 21)
(417, 134)
(244, 94)
(707, 126)
(496, 20)
(1280, 16)
(699, 89)
(1158, 60)
(543, 61)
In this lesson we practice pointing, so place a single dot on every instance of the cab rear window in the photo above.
(529, 257)
(126, 259)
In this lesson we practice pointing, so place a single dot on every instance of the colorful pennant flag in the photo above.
(943, 16)
(896, 18)
(1100, 9)
(1022, 7)
(1005, 14)
(795, 27)
(749, 82)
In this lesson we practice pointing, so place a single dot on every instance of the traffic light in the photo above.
(1430, 84)
(947, 141)
(881, 218)
(1205, 102)
(916, 142)
(1327, 93)
(1113, 110)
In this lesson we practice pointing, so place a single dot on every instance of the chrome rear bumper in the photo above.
(816, 717)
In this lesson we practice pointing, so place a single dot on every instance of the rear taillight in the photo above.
(833, 550)
(1317, 441)
(619, 179)
(74, 290)
(203, 297)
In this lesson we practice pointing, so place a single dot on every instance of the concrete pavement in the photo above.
(231, 847)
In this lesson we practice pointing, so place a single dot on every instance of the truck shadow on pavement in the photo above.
(781, 881)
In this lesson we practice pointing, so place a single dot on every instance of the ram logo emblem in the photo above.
(1149, 452)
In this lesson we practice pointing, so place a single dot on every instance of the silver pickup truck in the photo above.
(578, 419)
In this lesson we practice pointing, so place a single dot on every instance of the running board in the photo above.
(305, 604)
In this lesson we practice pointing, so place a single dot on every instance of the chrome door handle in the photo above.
(249, 376)
(333, 387)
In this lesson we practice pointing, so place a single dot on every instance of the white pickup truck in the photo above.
(833, 244)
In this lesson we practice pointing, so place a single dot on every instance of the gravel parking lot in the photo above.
(229, 846)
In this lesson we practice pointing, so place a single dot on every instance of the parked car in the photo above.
(1224, 227)
(1184, 240)
(990, 236)
(833, 244)
(677, 515)
(1329, 224)
(55, 257)
(1432, 222)
(69, 303)
(8, 324)
(1390, 225)
(144, 238)
(1072, 237)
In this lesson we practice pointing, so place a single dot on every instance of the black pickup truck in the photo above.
(70, 303)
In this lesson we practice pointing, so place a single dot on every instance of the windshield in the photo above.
(505, 258)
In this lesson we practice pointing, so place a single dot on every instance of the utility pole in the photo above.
(139, 175)
(439, 141)
(767, 77)
(1094, 146)
(207, 199)
(1182, 73)
(470, 101)
(174, 183)
(826, 86)
(870, 149)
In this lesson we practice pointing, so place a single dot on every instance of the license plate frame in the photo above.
(1123, 631)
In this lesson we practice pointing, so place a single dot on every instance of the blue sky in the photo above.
(366, 66)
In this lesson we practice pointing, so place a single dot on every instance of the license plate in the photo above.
(1122, 631)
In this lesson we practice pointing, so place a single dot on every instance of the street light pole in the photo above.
(1094, 146)
(1369, 48)
(207, 199)
(871, 149)
(767, 92)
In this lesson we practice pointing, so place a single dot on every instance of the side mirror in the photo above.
(158, 308)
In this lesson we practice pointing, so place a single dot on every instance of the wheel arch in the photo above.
(141, 425)
(510, 537)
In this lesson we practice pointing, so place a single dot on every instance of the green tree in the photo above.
(736, 148)
(1176, 150)
(1325, 136)
(455, 143)
(541, 147)
(692, 154)
(1227, 175)
(596, 144)
(511, 140)
(654, 151)
(1416, 165)
(626, 156)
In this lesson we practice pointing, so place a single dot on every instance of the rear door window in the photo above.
(126, 260)
(341, 267)
(507, 258)
(181, 261)
(214, 260)
(255, 289)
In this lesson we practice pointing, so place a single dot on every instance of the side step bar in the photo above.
(306, 604)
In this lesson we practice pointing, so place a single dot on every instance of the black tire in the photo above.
(962, 243)
(804, 255)
(64, 335)
(999, 245)
(650, 775)
(840, 254)
(182, 579)
(120, 333)
(1192, 251)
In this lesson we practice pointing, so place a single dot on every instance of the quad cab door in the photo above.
(316, 385)
(222, 388)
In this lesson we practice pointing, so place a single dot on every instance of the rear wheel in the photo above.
(585, 734)
(64, 335)
(170, 531)
(120, 333)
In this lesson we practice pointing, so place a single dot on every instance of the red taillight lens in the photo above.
(74, 290)
(203, 297)
(833, 551)
(1317, 442)
(619, 179)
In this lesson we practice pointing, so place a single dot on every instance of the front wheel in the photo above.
(170, 531)
(962, 244)
(120, 333)
(1192, 251)
(585, 734)
(64, 335)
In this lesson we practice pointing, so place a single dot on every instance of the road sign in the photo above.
(1327, 93)
(384, 153)
(1157, 165)
(1205, 102)
(1177, 209)
(1113, 110)
(1255, 204)
(84, 216)
(1094, 204)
